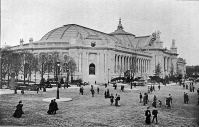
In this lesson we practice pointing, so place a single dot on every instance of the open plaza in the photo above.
(85, 110)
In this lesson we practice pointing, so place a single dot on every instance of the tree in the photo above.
(6, 63)
(158, 70)
(28, 64)
(41, 63)
(71, 66)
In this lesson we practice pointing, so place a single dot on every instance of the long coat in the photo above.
(148, 116)
(18, 112)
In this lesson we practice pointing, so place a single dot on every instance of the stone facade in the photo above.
(100, 56)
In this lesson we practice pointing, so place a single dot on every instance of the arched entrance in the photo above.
(92, 69)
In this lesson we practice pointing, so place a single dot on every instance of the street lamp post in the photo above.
(67, 70)
(108, 76)
(57, 73)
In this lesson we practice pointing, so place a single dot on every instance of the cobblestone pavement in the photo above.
(87, 111)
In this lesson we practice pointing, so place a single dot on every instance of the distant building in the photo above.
(100, 56)
(181, 66)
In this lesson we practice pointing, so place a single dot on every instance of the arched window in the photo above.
(92, 69)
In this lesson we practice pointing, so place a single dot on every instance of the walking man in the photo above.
(140, 98)
(155, 113)
(159, 86)
(98, 90)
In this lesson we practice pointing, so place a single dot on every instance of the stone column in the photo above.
(115, 63)
(121, 64)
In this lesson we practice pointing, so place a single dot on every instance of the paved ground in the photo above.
(85, 110)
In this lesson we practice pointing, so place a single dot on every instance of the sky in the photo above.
(175, 19)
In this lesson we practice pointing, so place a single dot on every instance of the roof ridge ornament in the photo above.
(120, 27)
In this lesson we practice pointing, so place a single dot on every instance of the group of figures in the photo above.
(168, 101)
(148, 115)
(113, 99)
(145, 98)
(53, 107)
(186, 98)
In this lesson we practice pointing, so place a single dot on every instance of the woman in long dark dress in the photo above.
(55, 106)
(50, 110)
(18, 112)
(116, 100)
(148, 116)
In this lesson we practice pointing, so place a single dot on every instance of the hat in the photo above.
(20, 101)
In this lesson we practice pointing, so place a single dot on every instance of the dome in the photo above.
(72, 31)
(125, 37)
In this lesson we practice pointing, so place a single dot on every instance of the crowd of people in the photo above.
(53, 107)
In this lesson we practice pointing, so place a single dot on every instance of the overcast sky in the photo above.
(177, 20)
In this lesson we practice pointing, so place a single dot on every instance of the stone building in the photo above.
(101, 56)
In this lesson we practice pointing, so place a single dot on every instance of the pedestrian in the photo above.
(153, 88)
(148, 116)
(154, 104)
(111, 99)
(187, 99)
(168, 102)
(140, 98)
(92, 92)
(159, 86)
(116, 100)
(22, 91)
(190, 87)
(105, 85)
(95, 82)
(144, 99)
(98, 90)
(184, 97)
(186, 86)
(107, 93)
(170, 98)
(15, 90)
(193, 88)
(19, 111)
(50, 110)
(155, 115)
(183, 85)
(81, 90)
(54, 107)
(155, 98)
(147, 98)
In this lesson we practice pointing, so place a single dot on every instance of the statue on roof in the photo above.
(21, 41)
(173, 43)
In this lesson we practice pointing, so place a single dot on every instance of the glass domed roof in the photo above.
(72, 31)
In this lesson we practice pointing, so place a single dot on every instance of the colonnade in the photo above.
(167, 64)
(139, 65)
